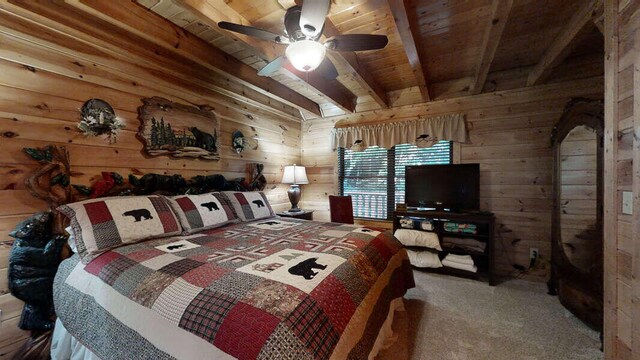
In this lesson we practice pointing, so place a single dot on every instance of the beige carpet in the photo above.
(449, 318)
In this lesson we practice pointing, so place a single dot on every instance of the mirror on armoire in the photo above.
(577, 243)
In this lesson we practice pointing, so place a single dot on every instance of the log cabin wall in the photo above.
(622, 173)
(48, 68)
(509, 134)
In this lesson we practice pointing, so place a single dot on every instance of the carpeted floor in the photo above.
(449, 318)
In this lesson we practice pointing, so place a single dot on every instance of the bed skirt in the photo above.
(65, 347)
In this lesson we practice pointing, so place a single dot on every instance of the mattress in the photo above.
(269, 289)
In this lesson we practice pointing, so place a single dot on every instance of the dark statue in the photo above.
(158, 184)
(206, 183)
(33, 263)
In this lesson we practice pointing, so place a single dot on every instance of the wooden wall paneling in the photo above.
(132, 18)
(635, 285)
(622, 173)
(50, 63)
(137, 62)
(133, 21)
(564, 43)
(509, 135)
(545, 96)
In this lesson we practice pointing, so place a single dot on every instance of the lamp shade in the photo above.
(295, 174)
(305, 55)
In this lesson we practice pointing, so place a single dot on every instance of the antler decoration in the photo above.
(258, 181)
(50, 182)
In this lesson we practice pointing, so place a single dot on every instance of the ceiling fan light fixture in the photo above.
(305, 55)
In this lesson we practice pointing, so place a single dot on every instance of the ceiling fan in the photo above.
(303, 26)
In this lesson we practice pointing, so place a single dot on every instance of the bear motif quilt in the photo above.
(277, 288)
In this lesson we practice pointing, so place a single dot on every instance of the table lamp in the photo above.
(294, 175)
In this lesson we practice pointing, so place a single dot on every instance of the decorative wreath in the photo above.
(98, 118)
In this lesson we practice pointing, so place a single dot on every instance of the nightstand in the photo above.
(304, 214)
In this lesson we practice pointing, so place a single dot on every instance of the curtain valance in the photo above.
(422, 132)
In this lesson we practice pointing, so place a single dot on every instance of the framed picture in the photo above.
(178, 130)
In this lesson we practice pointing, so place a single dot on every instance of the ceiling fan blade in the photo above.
(253, 31)
(312, 16)
(356, 42)
(272, 67)
(327, 69)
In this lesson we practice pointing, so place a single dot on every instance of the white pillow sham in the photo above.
(418, 238)
(424, 259)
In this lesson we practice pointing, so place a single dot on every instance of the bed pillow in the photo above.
(250, 205)
(202, 212)
(424, 259)
(102, 224)
(418, 238)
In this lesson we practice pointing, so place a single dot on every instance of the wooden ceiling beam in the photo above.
(214, 11)
(564, 43)
(598, 18)
(134, 18)
(349, 61)
(500, 10)
(408, 29)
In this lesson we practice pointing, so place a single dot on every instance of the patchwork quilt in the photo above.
(277, 288)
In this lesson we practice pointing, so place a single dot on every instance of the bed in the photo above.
(274, 288)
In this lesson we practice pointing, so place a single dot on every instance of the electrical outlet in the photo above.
(627, 202)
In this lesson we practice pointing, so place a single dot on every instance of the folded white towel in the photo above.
(418, 238)
(460, 259)
(455, 265)
(424, 259)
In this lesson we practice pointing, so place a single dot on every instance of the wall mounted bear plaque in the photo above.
(177, 130)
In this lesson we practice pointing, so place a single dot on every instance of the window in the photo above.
(375, 177)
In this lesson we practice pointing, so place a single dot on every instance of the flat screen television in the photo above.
(454, 187)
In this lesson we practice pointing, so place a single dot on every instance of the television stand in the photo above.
(484, 223)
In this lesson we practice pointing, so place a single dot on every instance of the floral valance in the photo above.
(422, 132)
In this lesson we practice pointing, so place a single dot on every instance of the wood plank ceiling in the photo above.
(437, 48)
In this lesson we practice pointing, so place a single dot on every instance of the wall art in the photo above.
(178, 130)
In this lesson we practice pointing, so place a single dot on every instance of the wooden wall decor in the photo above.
(97, 118)
(240, 142)
(178, 130)
(50, 181)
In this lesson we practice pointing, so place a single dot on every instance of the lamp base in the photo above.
(294, 197)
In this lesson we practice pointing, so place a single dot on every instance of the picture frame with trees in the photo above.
(177, 130)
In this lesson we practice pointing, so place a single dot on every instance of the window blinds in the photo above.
(375, 177)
